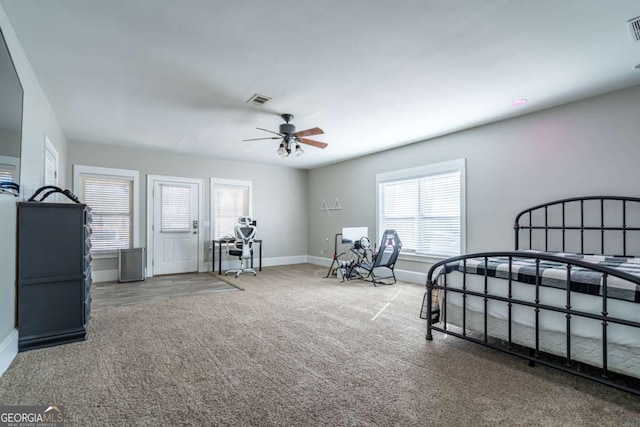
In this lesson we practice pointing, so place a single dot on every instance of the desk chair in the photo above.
(385, 258)
(245, 233)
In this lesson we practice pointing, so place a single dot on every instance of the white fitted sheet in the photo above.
(623, 342)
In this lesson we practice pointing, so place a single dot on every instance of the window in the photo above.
(7, 173)
(230, 199)
(425, 205)
(112, 195)
(175, 202)
(9, 169)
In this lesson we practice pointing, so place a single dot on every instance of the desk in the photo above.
(226, 242)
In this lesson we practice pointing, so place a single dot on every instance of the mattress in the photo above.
(623, 342)
(554, 274)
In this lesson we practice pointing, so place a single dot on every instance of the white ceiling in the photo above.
(175, 74)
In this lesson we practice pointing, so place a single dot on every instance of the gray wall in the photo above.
(279, 193)
(589, 147)
(10, 142)
(38, 121)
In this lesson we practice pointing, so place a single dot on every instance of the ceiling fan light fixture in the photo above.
(281, 151)
(291, 141)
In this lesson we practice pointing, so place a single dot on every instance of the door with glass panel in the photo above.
(175, 227)
(50, 163)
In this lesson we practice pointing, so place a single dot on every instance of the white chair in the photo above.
(245, 233)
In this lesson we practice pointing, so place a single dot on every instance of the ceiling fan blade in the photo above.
(257, 139)
(312, 142)
(270, 131)
(309, 132)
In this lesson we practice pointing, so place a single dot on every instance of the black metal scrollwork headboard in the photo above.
(606, 225)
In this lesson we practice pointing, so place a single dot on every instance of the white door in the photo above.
(50, 163)
(175, 227)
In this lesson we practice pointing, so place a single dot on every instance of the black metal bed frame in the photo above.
(534, 354)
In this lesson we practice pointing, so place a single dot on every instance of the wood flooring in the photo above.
(155, 289)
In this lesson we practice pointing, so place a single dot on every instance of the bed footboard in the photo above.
(496, 288)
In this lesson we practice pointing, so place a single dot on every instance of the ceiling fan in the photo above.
(291, 139)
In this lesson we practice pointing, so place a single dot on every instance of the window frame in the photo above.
(418, 172)
(212, 208)
(133, 175)
(12, 161)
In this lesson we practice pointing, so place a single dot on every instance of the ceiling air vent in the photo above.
(634, 26)
(258, 99)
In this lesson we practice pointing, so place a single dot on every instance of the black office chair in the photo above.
(245, 233)
(384, 259)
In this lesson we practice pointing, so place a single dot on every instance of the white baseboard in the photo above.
(8, 350)
(298, 259)
(316, 260)
(104, 276)
(98, 276)
(404, 275)
(411, 276)
(228, 264)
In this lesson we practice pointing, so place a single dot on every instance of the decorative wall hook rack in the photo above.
(325, 207)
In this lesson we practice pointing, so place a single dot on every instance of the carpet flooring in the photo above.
(295, 349)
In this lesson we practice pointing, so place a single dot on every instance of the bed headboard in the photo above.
(608, 225)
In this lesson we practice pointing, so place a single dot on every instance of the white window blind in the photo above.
(230, 202)
(111, 202)
(7, 172)
(175, 202)
(425, 208)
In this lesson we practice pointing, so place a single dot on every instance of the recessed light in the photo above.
(519, 102)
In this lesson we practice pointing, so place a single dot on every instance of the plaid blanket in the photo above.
(554, 274)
